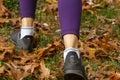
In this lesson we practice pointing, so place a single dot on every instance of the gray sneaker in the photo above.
(26, 43)
(74, 68)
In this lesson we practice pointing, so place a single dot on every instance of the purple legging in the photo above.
(69, 11)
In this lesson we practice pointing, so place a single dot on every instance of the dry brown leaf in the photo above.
(2, 68)
(6, 20)
(6, 48)
(91, 35)
(45, 71)
(50, 7)
(115, 75)
(44, 51)
(103, 19)
(4, 10)
(16, 72)
(30, 67)
(118, 75)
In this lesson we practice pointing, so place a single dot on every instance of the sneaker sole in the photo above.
(73, 75)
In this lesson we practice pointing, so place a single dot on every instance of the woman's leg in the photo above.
(70, 12)
(27, 14)
(27, 8)
(23, 38)
(70, 16)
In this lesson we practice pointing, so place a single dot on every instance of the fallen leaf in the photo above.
(2, 68)
(45, 71)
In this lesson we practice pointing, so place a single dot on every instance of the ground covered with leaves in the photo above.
(99, 42)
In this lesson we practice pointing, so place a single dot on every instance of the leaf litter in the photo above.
(96, 47)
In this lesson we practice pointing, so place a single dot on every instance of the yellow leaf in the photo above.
(92, 52)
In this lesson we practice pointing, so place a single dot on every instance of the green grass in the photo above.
(45, 39)
(12, 5)
(4, 78)
(29, 78)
